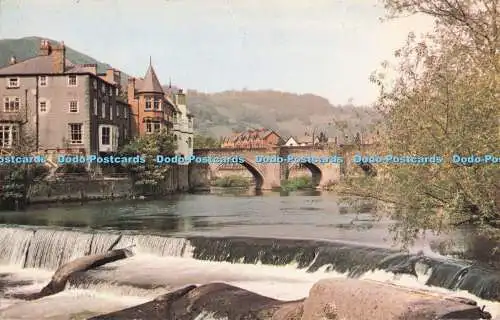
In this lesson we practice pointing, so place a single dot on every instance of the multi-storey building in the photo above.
(183, 122)
(65, 106)
(155, 108)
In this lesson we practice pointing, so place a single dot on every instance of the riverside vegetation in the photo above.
(444, 100)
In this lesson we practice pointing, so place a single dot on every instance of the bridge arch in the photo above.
(316, 174)
(252, 168)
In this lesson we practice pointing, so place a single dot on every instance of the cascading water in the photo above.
(48, 249)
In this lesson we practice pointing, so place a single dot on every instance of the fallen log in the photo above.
(61, 276)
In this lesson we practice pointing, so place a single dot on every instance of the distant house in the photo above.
(291, 142)
(254, 138)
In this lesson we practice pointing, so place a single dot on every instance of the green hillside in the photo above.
(221, 113)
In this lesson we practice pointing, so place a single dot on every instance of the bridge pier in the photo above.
(268, 176)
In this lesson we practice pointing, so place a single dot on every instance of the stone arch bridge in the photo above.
(329, 166)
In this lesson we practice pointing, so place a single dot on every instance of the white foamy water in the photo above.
(280, 282)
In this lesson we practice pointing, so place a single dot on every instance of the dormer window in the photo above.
(181, 99)
(13, 83)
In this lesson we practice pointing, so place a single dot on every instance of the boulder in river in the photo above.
(370, 300)
(329, 299)
(214, 299)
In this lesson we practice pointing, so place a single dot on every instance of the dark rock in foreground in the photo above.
(216, 299)
(347, 299)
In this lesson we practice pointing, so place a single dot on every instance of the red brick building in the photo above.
(254, 138)
(151, 108)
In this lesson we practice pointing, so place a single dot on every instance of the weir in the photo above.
(49, 248)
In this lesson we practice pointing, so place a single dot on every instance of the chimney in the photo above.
(45, 48)
(117, 77)
(12, 60)
(59, 58)
(131, 89)
(110, 75)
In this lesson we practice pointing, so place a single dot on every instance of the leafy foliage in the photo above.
(444, 101)
(233, 181)
(298, 183)
(18, 179)
(201, 142)
(149, 177)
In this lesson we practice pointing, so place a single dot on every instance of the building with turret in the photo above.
(155, 108)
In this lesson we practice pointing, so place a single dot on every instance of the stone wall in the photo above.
(73, 187)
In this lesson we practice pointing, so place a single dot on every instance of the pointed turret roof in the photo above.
(150, 83)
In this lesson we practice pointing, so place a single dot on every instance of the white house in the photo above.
(291, 142)
(183, 124)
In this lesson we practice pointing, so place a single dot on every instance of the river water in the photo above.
(274, 244)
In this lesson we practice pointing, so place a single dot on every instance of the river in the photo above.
(274, 244)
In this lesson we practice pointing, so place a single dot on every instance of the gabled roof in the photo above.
(251, 135)
(150, 82)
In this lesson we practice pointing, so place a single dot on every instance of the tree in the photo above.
(201, 142)
(18, 178)
(149, 177)
(444, 101)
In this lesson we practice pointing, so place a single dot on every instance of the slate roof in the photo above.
(150, 82)
(38, 65)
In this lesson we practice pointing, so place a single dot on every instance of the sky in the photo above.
(324, 47)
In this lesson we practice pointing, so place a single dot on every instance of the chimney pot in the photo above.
(45, 48)
(13, 60)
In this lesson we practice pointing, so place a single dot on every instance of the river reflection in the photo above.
(293, 214)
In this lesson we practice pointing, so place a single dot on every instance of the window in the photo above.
(103, 88)
(42, 81)
(94, 84)
(117, 91)
(43, 106)
(189, 142)
(75, 133)
(125, 112)
(190, 123)
(153, 126)
(11, 104)
(105, 135)
(175, 137)
(111, 112)
(110, 92)
(13, 83)
(9, 135)
(174, 117)
(95, 107)
(157, 104)
(72, 80)
(103, 110)
(73, 106)
(148, 104)
(118, 111)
